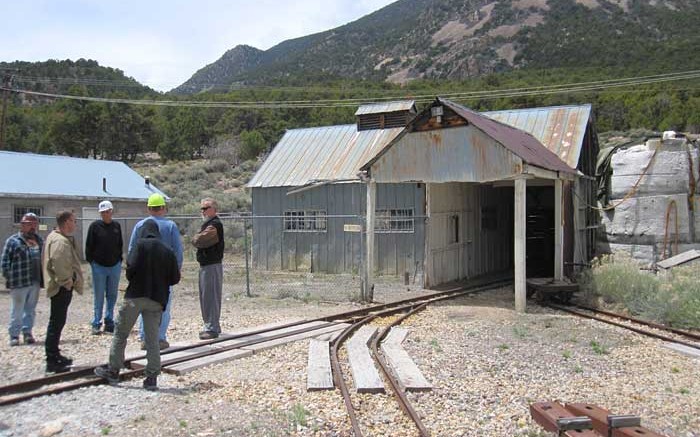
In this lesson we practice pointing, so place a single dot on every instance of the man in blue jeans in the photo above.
(103, 250)
(21, 267)
(170, 235)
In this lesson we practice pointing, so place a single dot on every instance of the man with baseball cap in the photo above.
(170, 235)
(103, 250)
(21, 267)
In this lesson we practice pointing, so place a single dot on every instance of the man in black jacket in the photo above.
(103, 250)
(151, 269)
(210, 251)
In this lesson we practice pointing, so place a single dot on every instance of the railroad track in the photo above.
(84, 376)
(409, 308)
(671, 335)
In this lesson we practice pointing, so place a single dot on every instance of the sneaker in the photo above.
(14, 341)
(151, 383)
(163, 344)
(105, 372)
(56, 367)
(28, 338)
(208, 335)
(96, 330)
(109, 328)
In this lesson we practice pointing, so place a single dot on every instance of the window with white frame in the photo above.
(19, 212)
(394, 220)
(305, 220)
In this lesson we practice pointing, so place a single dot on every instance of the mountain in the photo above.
(66, 76)
(459, 39)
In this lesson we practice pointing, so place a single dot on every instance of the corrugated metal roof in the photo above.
(378, 108)
(560, 128)
(320, 154)
(46, 175)
(517, 141)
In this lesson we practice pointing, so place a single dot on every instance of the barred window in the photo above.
(305, 221)
(394, 220)
(21, 210)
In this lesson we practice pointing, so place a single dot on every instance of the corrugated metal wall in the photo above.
(336, 250)
(476, 251)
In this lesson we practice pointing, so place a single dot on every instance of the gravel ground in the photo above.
(486, 364)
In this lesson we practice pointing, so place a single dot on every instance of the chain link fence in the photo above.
(288, 257)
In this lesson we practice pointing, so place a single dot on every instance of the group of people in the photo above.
(153, 264)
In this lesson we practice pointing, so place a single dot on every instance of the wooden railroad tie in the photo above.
(584, 420)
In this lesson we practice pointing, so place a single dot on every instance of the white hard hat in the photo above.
(105, 205)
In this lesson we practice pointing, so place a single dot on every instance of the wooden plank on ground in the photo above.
(301, 336)
(169, 358)
(364, 373)
(319, 375)
(188, 366)
(404, 368)
(329, 336)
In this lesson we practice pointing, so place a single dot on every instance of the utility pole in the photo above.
(6, 82)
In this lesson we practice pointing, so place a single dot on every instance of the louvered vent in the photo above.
(385, 115)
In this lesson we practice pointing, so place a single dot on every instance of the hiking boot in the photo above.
(28, 338)
(106, 372)
(151, 383)
(208, 335)
(14, 341)
(56, 367)
(95, 330)
(109, 328)
(163, 344)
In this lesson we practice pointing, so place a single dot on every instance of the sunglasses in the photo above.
(204, 208)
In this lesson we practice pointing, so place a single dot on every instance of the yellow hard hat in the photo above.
(156, 199)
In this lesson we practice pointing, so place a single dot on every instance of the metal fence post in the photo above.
(247, 266)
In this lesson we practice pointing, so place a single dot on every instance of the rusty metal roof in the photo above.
(521, 143)
(560, 128)
(332, 153)
(378, 108)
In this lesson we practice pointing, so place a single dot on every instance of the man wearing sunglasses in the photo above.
(209, 242)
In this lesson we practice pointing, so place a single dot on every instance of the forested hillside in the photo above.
(461, 39)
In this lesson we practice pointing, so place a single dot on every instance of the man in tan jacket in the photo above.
(63, 274)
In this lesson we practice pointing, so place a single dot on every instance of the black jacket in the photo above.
(151, 266)
(212, 254)
(104, 243)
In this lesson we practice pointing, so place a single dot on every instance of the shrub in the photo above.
(672, 298)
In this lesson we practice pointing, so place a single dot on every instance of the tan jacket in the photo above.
(61, 264)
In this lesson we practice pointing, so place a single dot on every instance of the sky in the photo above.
(162, 43)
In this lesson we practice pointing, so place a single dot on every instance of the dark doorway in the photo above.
(540, 232)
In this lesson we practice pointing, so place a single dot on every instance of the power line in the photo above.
(352, 102)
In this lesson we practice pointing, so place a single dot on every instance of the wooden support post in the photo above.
(520, 215)
(369, 253)
(558, 232)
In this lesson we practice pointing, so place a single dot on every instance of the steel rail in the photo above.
(393, 381)
(87, 372)
(642, 322)
(622, 325)
(387, 310)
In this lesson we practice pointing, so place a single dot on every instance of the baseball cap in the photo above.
(29, 217)
(105, 205)
(156, 199)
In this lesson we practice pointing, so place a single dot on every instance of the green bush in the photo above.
(672, 298)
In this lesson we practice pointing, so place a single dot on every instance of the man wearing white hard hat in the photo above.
(103, 250)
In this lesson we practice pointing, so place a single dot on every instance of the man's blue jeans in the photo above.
(105, 283)
(23, 309)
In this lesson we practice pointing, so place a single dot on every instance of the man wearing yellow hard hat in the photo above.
(170, 235)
